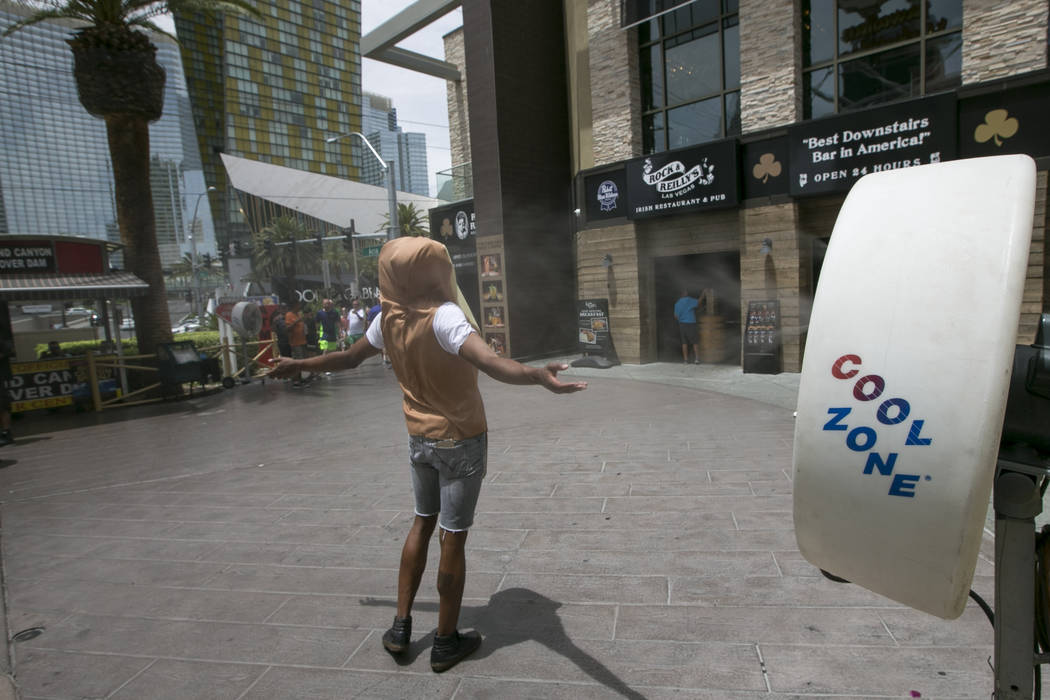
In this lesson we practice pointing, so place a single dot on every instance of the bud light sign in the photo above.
(878, 428)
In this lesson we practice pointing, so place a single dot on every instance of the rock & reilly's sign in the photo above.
(829, 155)
(691, 179)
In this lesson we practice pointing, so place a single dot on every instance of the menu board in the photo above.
(762, 342)
(593, 327)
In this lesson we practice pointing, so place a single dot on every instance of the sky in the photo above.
(420, 99)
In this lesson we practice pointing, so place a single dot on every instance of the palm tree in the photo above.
(339, 257)
(273, 258)
(118, 79)
(411, 221)
(184, 267)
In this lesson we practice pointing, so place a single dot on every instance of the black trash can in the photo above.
(1027, 418)
(177, 363)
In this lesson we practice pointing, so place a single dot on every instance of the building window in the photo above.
(690, 75)
(860, 53)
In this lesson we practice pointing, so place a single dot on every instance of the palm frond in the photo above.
(43, 16)
(153, 27)
(212, 6)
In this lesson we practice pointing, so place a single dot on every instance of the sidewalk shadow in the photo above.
(518, 615)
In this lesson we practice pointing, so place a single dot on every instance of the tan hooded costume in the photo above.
(441, 397)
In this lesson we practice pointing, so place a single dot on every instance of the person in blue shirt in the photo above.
(328, 320)
(685, 314)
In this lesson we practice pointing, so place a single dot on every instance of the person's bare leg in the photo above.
(413, 562)
(685, 352)
(696, 354)
(452, 575)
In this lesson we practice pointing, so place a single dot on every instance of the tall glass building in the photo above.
(408, 151)
(55, 173)
(272, 88)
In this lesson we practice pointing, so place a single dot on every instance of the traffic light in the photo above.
(348, 238)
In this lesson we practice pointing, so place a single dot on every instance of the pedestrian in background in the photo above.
(54, 351)
(328, 323)
(296, 330)
(344, 311)
(688, 333)
(436, 351)
(357, 322)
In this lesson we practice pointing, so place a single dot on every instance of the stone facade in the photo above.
(770, 58)
(1002, 38)
(618, 282)
(458, 114)
(615, 91)
(770, 96)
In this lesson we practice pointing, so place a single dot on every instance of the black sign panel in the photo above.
(605, 195)
(454, 226)
(765, 167)
(593, 327)
(687, 180)
(1005, 122)
(21, 257)
(829, 155)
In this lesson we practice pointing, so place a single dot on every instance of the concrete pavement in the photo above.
(634, 540)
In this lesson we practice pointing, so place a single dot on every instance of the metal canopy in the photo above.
(123, 285)
(379, 44)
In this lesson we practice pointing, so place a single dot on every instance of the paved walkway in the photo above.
(634, 540)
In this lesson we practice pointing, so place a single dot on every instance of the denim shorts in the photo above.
(446, 478)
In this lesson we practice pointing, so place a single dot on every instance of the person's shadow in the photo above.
(517, 615)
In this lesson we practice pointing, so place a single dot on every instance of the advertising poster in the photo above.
(492, 291)
(692, 179)
(592, 321)
(491, 265)
(494, 316)
(498, 343)
(829, 155)
(43, 384)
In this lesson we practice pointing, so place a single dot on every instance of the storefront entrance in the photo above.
(717, 274)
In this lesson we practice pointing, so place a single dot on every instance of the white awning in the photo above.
(328, 198)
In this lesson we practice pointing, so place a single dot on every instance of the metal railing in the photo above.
(105, 366)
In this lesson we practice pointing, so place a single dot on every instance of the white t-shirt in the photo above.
(451, 328)
(355, 322)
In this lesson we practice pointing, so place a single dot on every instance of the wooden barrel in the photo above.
(712, 339)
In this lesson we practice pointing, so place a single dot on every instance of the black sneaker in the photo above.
(397, 638)
(6, 438)
(450, 650)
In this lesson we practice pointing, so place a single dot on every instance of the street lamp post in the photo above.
(388, 169)
(193, 255)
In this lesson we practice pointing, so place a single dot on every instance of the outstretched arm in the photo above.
(477, 353)
(332, 362)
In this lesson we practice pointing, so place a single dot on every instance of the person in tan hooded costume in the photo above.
(431, 338)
